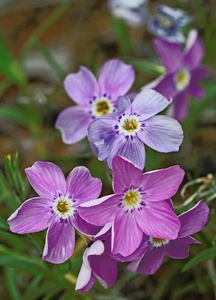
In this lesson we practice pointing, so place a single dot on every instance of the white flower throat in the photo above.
(182, 79)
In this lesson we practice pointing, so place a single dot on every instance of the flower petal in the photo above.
(46, 178)
(115, 78)
(166, 86)
(81, 186)
(179, 248)
(122, 181)
(60, 241)
(101, 134)
(32, 216)
(103, 266)
(100, 211)
(132, 150)
(193, 220)
(194, 51)
(158, 220)
(162, 134)
(85, 227)
(180, 106)
(161, 184)
(148, 103)
(81, 86)
(127, 234)
(150, 263)
(85, 279)
(170, 54)
(73, 122)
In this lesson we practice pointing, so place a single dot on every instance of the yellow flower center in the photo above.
(131, 198)
(182, 79)
(63, 206)
(157, 242)
(102, 108)
(130, 125)
(164, 21)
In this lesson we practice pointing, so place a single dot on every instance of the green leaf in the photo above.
(201, 257)
(11, 281)
(9, 66)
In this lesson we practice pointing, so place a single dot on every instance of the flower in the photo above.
(133, 12)
(97, 264)
(183, 73)
(124, 132)
(168, 22)
(56, 208)
(138, 205)
(94, 97)
(153, 249)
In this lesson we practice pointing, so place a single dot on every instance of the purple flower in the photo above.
(153, 249)
(183, 73)
(94, 97)
(124, 132)
(97, 264)
(168, 22)
(57, 208)
(133, 12)
(139, 205)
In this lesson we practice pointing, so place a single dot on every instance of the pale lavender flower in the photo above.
(133, 12)
(168, 23)
(97, 264)
(133, 124)
(56, 208)
(139, 205)
(183, 73)
(95, 97)
(149, 256)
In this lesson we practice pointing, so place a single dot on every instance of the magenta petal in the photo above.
(85, 227)
(85, 279)
(121, 168)
(115, 78)
(179, 248)
(100, 211)
(158, 220)
(73, 122)
(101, 134)
(60, 240)
(81, 87)
(127, 235)
(81, 186)
(32, 216)
(132, 150)
(148, 103)
(180, 106)
(194, 50)
(193, 220)
(162, 134)
(46, 178)
(170, 54)
(166, 86)
(103, 266)
(150, 263)
(161, 184)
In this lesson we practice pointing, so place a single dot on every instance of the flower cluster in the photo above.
(137, 223)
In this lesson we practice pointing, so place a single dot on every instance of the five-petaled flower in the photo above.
(125, 131)
(168, 23)
(183, 73)
(57, 208)
(95, 98)
(139, 205)
(148, 258)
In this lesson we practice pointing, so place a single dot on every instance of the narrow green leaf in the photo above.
(199, 258)
(11, 281)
